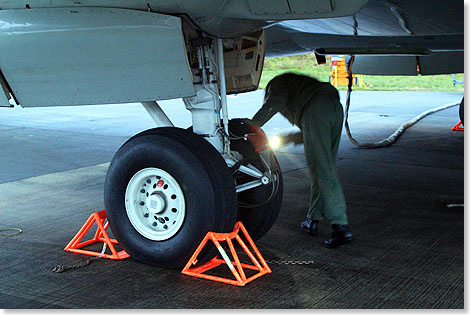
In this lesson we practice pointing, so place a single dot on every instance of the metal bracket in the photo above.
(157, 114)
(7, 90)
(252, 171)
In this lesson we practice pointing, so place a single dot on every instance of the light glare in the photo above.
(275, 142)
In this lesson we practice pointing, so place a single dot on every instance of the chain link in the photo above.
(290, 262)
(62, 268)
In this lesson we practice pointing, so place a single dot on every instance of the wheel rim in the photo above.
(155, 204)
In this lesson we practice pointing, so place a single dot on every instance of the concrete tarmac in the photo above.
(409, 247)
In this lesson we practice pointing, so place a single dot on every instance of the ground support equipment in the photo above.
(100, 236)
(458, 127)
(236, 267)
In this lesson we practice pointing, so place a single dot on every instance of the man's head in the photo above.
(287, 77)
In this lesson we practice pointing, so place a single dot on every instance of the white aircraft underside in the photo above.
(43, 36)
(62, 32)
(167, 187)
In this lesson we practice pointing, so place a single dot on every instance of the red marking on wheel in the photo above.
(160, 183)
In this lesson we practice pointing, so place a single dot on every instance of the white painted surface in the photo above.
(155, 204)
(3, 99)
(92, 56)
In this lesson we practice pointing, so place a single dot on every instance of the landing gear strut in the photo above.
(167, 187)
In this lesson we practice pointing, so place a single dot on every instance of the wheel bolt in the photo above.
(173, 210)
(161, 220)
(146, 215)
(167, 219)
(142, 190)
(154, 223)
(142, 203)
(165, 226)
(149, 181)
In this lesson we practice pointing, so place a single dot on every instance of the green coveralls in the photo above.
(315, 108)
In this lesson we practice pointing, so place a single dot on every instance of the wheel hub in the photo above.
(155, 204)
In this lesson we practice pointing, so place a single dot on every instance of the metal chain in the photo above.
(290, 262)
(283, 262)
(62, 268)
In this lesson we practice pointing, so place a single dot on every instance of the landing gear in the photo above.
(165, 189)
(259, 207)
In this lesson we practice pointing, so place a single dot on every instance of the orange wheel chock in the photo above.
(100, 236)
(236, 267)
(458, 127)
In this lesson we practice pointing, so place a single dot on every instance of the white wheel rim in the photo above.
(155, 204)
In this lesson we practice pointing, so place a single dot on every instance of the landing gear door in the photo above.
(244, 58)
(86, 56)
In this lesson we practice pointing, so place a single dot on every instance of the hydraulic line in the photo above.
(394, 136)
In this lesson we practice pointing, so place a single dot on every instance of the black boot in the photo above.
(339, 236)
(309, 226)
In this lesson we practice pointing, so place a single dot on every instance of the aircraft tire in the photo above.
(461, 111)
(260, 219)
(193, 170)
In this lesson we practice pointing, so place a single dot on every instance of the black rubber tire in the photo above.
(258, 220)
(461, 111)
(206, 182)
(219, 173)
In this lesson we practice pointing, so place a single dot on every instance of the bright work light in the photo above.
(274, 142)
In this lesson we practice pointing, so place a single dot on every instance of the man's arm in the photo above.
(266, 112)
(276, 98)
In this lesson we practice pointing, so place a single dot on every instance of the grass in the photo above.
(307, 64)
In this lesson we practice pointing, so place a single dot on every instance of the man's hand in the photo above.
(296, 138)
(283, 140)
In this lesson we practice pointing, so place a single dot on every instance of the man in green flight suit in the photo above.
(314, 107)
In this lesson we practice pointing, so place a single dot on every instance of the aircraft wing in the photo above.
(64, 52)
(220, 18)
(425, 33)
